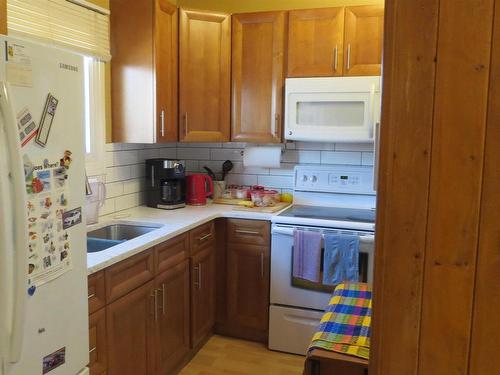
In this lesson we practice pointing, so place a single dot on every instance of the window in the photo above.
(83, 27)
(95, 116)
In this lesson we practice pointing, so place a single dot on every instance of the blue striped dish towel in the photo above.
(340, 259)
(306, 255)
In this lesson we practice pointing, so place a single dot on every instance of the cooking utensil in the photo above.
(210, 172)
(227, 166)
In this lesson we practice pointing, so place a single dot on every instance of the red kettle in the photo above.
(197, 192)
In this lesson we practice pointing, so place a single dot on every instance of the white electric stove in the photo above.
(333, 199)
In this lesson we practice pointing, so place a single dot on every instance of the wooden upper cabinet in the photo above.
(315, 42)
(364, 34)
(204, 75)
(166, 75)
(144, 46)
(258, 69)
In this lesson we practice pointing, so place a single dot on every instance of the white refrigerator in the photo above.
(43, 274)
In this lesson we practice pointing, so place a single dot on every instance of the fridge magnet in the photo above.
(66, 159)
(44, 178)
(64, 255)
(31, 290)
(49, 111)
(72, 217)
(54, 360)
(31, 268)
(60, 177)
(18, 65)
(26, 126)
(62, 200)
(47, 262)
(59, 215)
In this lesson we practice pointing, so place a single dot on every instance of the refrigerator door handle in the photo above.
(20, 245)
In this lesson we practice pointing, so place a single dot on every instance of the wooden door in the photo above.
(204, 76)
(202, 295)
(166, 55)
(130, 321)
(172, 328)
(258, 68)
(364, 34)
(315, 42)
(98, 353)
(248, 288)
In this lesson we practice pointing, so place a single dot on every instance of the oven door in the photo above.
(283, 292)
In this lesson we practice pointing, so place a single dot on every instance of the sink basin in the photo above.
(114, 234)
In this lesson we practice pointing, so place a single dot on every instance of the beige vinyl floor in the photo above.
(224, 355)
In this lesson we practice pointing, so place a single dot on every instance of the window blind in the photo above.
(61, 22)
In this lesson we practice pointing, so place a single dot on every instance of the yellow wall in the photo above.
(241, 6)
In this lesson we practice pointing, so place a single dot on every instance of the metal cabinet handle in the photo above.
(204, 237)
(251, 232)
(154, 295)
(349, 56)
(162, 117)
(336, 58)
(199, 275)
(92, 350)
(91, 296)
(163, 292)
(262, 265)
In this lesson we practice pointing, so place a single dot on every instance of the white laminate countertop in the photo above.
(174, 222)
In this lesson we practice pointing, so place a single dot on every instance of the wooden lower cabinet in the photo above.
(202, 294)
(130, 324)
(172, 325)
(98, 361)
(247, 286)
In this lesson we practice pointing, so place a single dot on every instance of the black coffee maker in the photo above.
(165, 184)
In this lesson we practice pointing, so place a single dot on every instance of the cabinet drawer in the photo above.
(171, 253)
(129, 274)
(98, 356)
(202, 237)
(97, 292)
(248, 232)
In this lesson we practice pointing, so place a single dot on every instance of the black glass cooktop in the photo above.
(331, 213)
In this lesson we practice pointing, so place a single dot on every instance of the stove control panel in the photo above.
(334, 179)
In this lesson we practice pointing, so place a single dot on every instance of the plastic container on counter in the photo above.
(265, 198)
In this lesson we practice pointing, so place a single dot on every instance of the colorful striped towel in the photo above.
(345, 326)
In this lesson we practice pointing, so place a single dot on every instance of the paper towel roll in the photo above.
(262, 156)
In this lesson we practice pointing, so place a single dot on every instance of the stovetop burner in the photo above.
(330, 213)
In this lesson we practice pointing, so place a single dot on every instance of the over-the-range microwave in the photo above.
(340, 109)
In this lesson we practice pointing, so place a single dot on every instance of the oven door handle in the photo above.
(366, 238)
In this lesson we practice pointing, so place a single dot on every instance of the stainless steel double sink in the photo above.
(115, 234)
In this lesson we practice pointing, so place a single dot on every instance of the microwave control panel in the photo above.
(334, 179)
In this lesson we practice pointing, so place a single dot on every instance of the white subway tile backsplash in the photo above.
(302, 157)
(117, 173)
(334, 157)
(125, 168)
(277, 182)
(126, 157)
(226, 154)
(354, 146)
(168, 153)
(192, 153)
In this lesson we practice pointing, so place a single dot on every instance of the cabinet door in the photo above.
(205, 58)
(166, 52)
(202, 294)
(248, 289)
(132, 72)
(130, 321)
(172, 328)
(364, 31)
(315, 42)
(98, 354)
(258, 76)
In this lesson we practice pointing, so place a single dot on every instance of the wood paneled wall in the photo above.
(437, 292)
